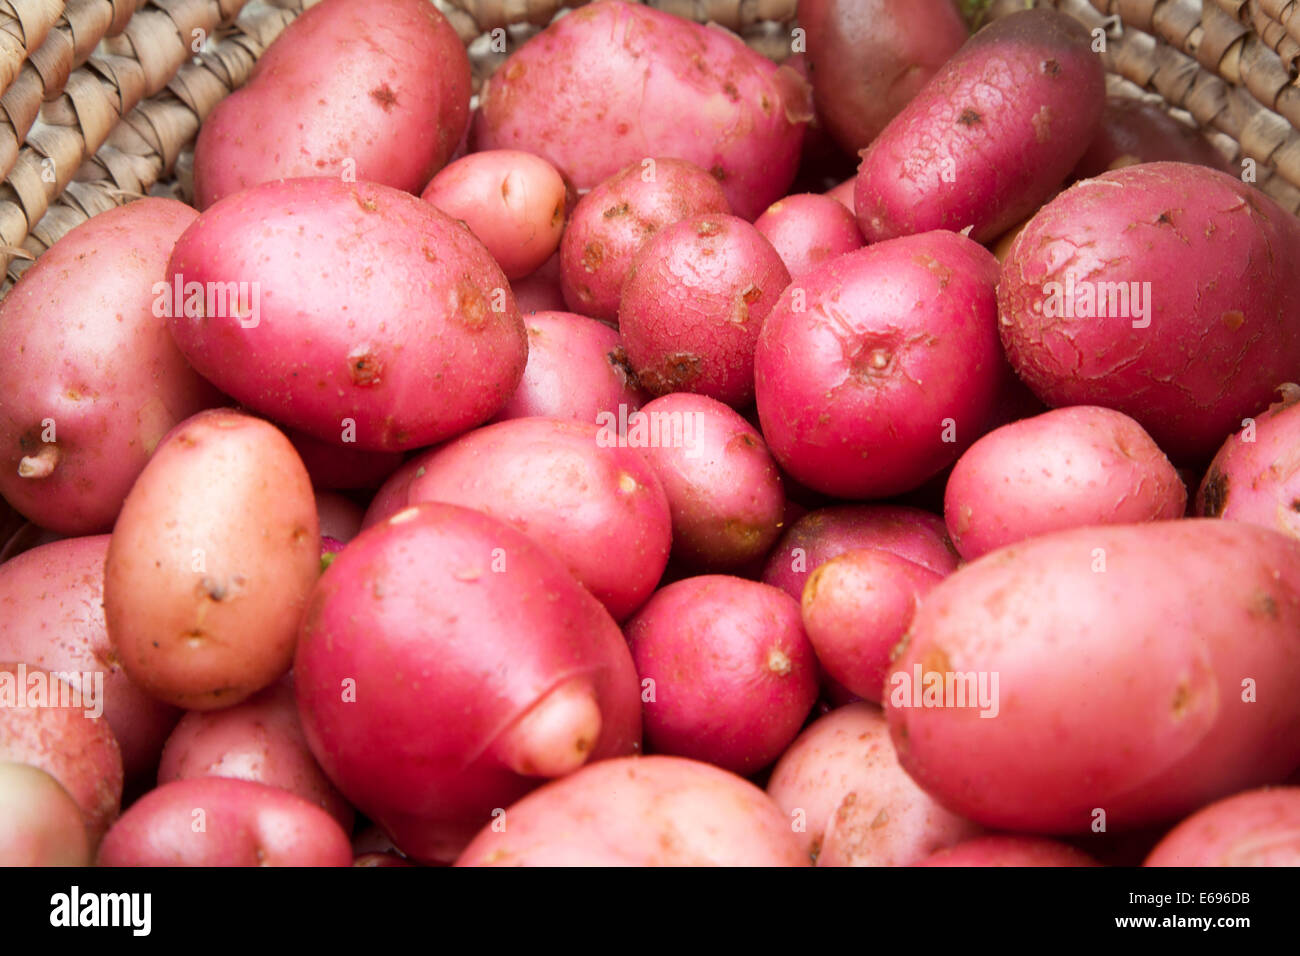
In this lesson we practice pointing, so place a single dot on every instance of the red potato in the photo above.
(843, 194)
(693, 304)
(540, 291)
(999, 849)
(511, 200)
(850, 802)
(575, 488)
(727, 675)
(403, 688)
(390, 109)
(40, 824)
(335, 467)
(52, 725)
(807, 229)
(826, 533)
(990, 136)
(874, 369)
(640, 811)
(1067, 468)
(1138, 131)
(724, 490)
(340, 519)
(611, 223)
(422, 344)
(260, 740)
(211, 561)
(1097, 308)
(576, 370)
(1120, 661)
(856, 608)
(52, 616)
(1256, 828)
(242, 824)
(95, 391)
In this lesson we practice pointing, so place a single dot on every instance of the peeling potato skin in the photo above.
(1220, 259)
(1117, 688)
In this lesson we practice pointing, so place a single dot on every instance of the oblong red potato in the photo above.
(1096, 306)
(40, 823)
(840, 782)
(576, 369)
(52, 725)
(693, 304)
(727, 674)
(211, 561)
(994, 132)
(1138, 131)
(242, 824)
(511, 200)
(724, 490)
(611, 223)
(1067, 468)
(52, 616)
(261, 740)
(340, 467)
(420, 345)
(1256, 828)
(390, 109)
(573, 487)
(447, 665)
(1119, 661)
(640, 811)
(826, 533)
(856, 608)
(1000, 849)
(644, 83)
(95, 391)
(874, 367)
(806, 229)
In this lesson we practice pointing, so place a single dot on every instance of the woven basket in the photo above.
(102, 99)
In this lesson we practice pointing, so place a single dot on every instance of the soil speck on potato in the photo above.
(969, 117)
(383, 95)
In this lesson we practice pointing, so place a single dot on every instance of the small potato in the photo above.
(40, 823)
(211, 561)
(511, 200)
(244, 824)
(340, 520)
(1255, 828)
(999, 849)
(1137, 131)
(540, 291)
(807, 229)
(843, 194)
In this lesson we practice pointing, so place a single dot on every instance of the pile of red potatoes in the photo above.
(580, 473)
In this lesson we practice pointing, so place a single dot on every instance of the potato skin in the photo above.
(211, 561)
(1000, 849)
(807, 229)
(245, 824)
(105, 381)
(641, 811)
(390, 109)
(421, 344)
(1117, 688)
(1256, 828)
(1067, 468)
(1207, 352)
(1258, 480)
(40, 824)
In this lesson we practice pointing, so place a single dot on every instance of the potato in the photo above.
(390, 109)
(342, 467)
(641, 83)
(806, 229)
(1138, 131)
(242, 824)
(693, 304)
(52, 616)
(40, 824)
(540, 291)
(420, 344)
(1000, 849)
(1256, 828)
(1163, 291)
(843, 194)
(1067, 468)
(987, 139)
(1132, 677)
(447, 665)
(873, 367)
(850, 802)
(727, 673)
(211, 561)
(54, 726)
(611, 223)
(97, 389)
(339, 518)
(640, 811)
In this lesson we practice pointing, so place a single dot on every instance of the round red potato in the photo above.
(40, 823)
(211, 561)
(640, 811)
(1256, 828)
(215, 821)
(999, 849)
(727, 674)
(806, 229)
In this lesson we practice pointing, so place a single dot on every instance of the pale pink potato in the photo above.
(843, 193)
(1001, 849)
(853, 805)
(40, 823)
(640, 811)
(1255, 828)
(807, 229)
